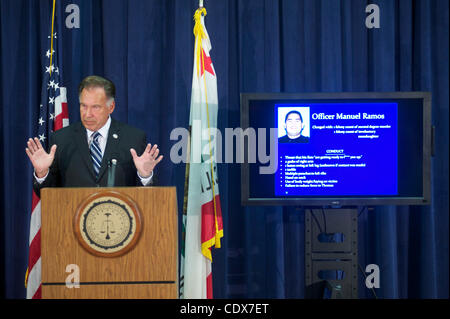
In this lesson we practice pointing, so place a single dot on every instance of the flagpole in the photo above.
(51, 37)
(200, 3)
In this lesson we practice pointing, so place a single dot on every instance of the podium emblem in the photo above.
(108, 224)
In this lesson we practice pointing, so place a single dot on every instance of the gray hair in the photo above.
(95, 81)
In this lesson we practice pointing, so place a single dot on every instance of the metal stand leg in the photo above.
(331, 253)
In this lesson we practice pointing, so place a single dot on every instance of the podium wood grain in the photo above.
(135, 291)
(149, 270)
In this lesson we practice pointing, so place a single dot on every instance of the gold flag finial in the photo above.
(198, 30)
(199, 34)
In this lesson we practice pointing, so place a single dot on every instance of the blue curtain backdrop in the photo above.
(146, 48)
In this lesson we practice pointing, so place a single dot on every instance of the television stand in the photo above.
(331, 253)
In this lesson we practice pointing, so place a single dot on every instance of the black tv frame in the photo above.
(427, 143)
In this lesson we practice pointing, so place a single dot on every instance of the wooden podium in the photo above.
(148, 268)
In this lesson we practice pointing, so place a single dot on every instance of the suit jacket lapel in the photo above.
(83, 148)
(112, 146)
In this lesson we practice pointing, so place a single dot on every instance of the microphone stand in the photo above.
(112, 172)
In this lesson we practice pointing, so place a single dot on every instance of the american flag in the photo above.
(53, 115)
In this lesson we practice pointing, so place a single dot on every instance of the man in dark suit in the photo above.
(81, 153)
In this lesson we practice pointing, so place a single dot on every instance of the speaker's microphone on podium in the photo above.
(112, 172)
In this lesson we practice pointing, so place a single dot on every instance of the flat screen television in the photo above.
(336, 149)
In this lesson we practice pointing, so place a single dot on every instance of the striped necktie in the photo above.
(96, 153)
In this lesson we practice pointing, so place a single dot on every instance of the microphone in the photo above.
(111, 172)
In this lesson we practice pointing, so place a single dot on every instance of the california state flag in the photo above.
(203, 226)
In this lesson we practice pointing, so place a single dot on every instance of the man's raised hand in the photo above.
(147, 161)
(40, 159)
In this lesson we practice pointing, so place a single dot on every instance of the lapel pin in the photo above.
(115, 135)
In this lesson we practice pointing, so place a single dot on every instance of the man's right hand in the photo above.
(40, 159)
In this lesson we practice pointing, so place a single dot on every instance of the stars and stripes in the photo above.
(53, 115)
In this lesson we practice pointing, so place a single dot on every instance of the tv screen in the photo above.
(336, 149)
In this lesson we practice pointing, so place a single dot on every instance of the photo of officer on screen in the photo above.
(293, 125)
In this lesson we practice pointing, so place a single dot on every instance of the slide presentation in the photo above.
(346, 149)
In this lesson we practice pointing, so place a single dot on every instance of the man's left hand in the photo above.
(147, 161)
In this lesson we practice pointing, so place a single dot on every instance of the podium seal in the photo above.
(108, 224)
